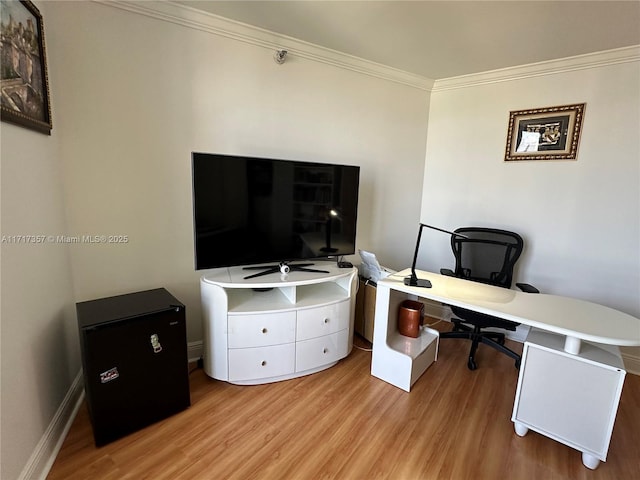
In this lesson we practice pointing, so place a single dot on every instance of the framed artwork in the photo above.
(550, 133)
(24, 84)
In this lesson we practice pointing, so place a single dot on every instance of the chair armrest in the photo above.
(447, 271)
(525, 287)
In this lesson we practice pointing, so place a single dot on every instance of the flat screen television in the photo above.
(249, 211)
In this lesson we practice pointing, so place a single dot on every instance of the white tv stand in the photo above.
(277, 326)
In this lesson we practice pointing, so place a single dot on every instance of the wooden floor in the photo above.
(345, 424)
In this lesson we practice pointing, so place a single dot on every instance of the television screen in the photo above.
(256, 210)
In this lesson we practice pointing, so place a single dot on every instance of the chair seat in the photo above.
(483, 320)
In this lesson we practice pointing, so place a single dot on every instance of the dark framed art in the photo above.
(550, 133)
(24, 84)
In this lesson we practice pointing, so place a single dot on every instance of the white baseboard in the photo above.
(42, 458)
(45, 453)
(631, 363)
(194, 351)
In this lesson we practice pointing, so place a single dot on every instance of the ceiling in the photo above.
(443, 39)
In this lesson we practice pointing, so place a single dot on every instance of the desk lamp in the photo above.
(413, 280)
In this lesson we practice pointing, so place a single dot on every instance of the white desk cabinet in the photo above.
(572, 399)
(276, 327)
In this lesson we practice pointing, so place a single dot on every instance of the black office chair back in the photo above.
(488, 255)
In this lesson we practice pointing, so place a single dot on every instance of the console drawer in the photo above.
(261, 362)
(322, 350)
(317, 322)
(260, 330)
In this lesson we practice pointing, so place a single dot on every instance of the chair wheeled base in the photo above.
(478, 336)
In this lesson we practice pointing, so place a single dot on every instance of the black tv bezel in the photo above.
(271, 260)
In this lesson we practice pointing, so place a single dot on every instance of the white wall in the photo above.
(132, 97)
(39, 341)
(138, 95)
(39, 350)
(580, 219)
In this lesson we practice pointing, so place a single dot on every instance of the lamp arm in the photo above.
(455, 234)
(412, 280)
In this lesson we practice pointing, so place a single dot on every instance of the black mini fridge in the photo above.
(134, 357)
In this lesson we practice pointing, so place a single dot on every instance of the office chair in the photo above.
(488, 256)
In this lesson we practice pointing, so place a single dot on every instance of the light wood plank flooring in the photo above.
(345, 424)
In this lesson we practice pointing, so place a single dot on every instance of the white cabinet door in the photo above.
(261, 362)
(570, 398)
(317, 322)
(260, 330)
(321, 351)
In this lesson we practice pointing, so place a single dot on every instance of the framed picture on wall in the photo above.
(24, 84)
(549, 133)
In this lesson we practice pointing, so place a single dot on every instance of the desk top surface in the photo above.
(564, 315)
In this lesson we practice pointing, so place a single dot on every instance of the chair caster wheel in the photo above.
(471, 364)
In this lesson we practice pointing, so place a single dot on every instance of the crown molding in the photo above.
(189, 17)
(551, 67)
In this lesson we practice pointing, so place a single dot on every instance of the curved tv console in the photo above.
(278, 326)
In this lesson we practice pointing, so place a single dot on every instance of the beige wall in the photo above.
(581, 219)
(39, 349)
(139, 95)
(132, 97)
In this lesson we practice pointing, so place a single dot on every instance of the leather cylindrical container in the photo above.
(410, 318)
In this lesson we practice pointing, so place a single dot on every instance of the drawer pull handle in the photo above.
(264, 362)
(326, 320)
(326, 350)
(264, 330)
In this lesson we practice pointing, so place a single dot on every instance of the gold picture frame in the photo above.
(549, 133)
(24, 83)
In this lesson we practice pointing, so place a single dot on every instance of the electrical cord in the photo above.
(432, 324)
(363, 348)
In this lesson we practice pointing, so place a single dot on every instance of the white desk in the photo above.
(570, 326)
